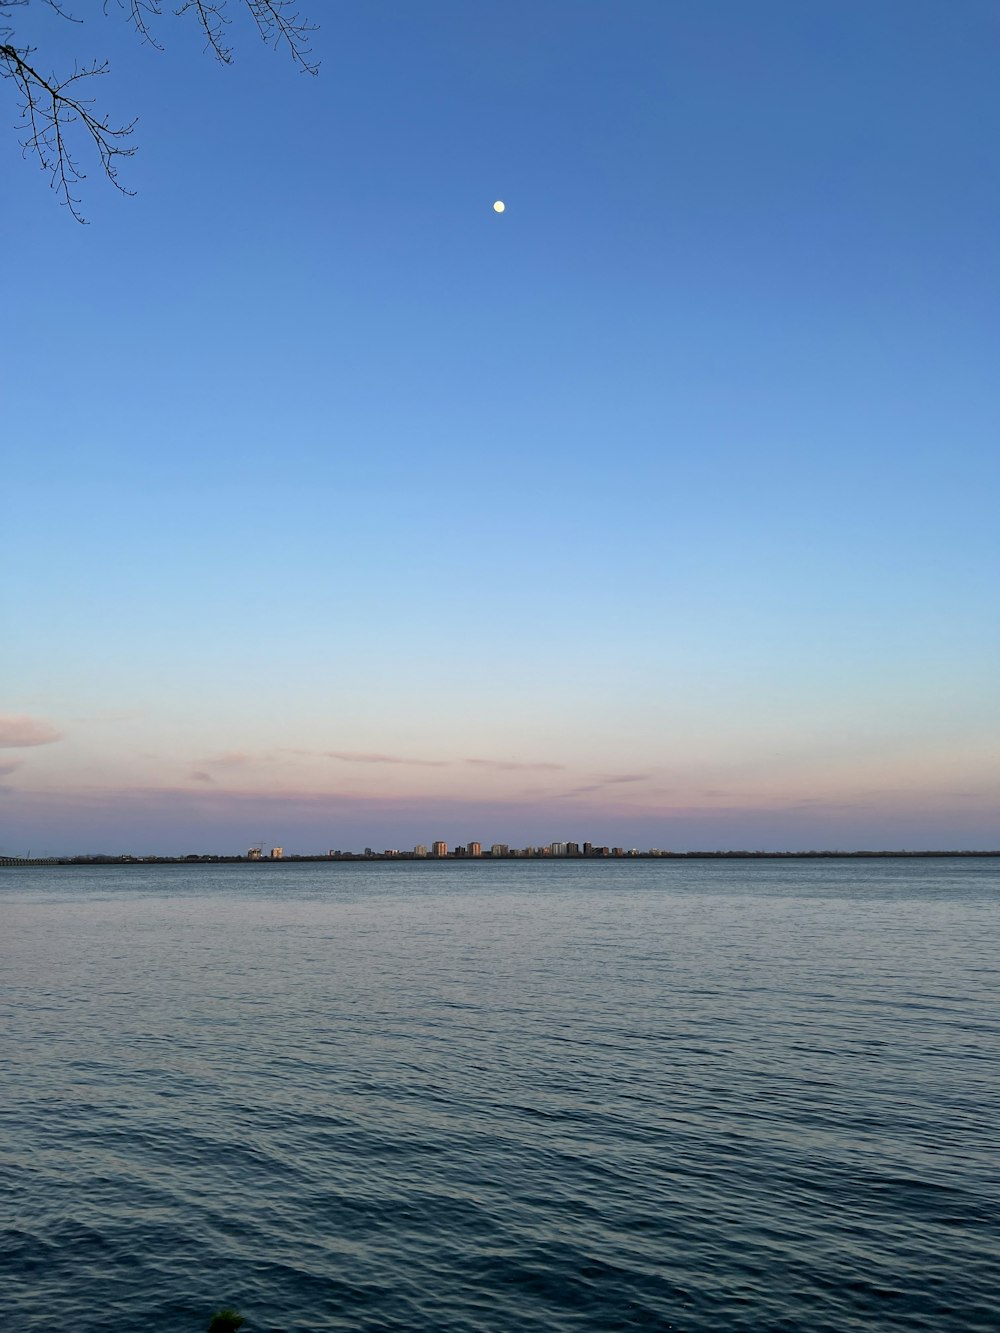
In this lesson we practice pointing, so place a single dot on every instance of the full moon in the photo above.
(499, 206)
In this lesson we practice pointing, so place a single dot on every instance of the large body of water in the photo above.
(543, 1097)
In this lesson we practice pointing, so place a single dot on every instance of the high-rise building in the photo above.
(277, 853)
(557, 849)
(499, 849)
(474, 849)
(572, 849)
(420, 850)
(439, 849)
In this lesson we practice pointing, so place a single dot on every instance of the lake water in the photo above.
(542, 1097)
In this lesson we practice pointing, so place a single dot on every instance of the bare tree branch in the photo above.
(55, 116)
(49, 108)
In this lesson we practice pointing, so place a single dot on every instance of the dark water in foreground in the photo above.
(536, 1097)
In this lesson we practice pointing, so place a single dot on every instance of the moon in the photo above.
(499, 206)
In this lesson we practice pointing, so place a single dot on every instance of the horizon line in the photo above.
(617, 854)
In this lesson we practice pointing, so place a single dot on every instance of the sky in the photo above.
(659, 510)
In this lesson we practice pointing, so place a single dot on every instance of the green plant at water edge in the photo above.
(226, 1321)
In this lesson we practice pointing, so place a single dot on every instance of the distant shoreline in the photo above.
(451, 859)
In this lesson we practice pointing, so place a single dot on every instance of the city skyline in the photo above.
(660, 504)
(459, 853)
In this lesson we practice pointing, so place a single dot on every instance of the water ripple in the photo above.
(571, 1097)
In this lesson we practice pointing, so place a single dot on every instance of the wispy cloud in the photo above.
(418, 761)
(612, 780)
(10, 766)
(515, 765)
(199, 775)
(234, 759)
(363, 757)
(18, 731)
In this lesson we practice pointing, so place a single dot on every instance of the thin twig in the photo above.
(51, 109)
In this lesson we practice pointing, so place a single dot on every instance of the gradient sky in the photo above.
(660, 510)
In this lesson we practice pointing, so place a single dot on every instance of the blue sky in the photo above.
(670, 493)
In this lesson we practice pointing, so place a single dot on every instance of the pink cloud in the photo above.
(233, 759)
(17, 731)
(513, 764)
(361, 757)
(611, 781)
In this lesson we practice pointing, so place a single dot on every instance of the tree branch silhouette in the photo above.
(59, 123)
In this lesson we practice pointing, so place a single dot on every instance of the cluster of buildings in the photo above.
(441, 851)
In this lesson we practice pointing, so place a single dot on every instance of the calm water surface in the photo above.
(471, 1099)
